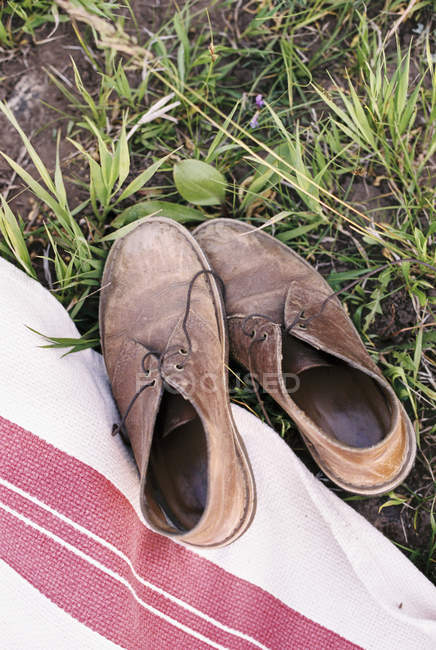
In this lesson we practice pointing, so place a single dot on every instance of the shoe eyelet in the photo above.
(302, 317)
(252, 334)
(178, 367)
(147, 372)
(265, 336)
(183, 351)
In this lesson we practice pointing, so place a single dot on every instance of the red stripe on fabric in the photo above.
(115, 563)
(85, 496)
(89, 595)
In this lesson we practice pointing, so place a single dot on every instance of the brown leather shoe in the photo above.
(297, 340)
(165, 347)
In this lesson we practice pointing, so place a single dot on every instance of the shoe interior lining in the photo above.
(342, 401)
(178, 466)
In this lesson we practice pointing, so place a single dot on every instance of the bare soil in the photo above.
(40, 108)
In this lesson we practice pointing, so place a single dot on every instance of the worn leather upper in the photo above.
(143, 304)
(267, 281)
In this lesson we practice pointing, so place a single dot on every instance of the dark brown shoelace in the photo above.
(169, 352)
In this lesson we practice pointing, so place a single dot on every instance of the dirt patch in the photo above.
(152, 14)
(398, 319)
(375, 201)
(29, 93)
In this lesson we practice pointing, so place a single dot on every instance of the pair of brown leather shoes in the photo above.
(165, 343)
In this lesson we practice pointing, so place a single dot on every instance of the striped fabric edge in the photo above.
(64, 528)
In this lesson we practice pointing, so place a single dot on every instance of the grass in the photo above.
(21, 18)
(348, 101)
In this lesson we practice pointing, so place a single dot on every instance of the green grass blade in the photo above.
(142, 179)
(41, 168)
(13, 236)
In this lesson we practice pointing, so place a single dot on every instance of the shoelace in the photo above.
(299, 319)
(163, 356)
(303, 321)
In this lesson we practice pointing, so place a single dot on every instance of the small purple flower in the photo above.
(259, 101)
(254, 121)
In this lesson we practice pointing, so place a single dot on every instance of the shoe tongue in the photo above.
(177, 411)
(299, 356)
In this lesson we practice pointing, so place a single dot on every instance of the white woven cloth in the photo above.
(81, 570)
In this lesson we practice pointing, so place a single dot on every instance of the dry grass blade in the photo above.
(109, 36)
(401, 19)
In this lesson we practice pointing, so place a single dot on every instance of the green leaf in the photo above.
(181, 63)
(108, 167)
(298, 231)
(181, 31)
(123, 156)
(142, 179)
(403, 85)
(359, 117)
(97, 185)
(41, 168)
(409, 112)
(13, 235)
(36, 187)
(121, 232)
(181, 213)
(199, 183)
(418, 353)
(75, 344)
(82, 90)
(395, 500)
(213, 149)
(59, 181)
